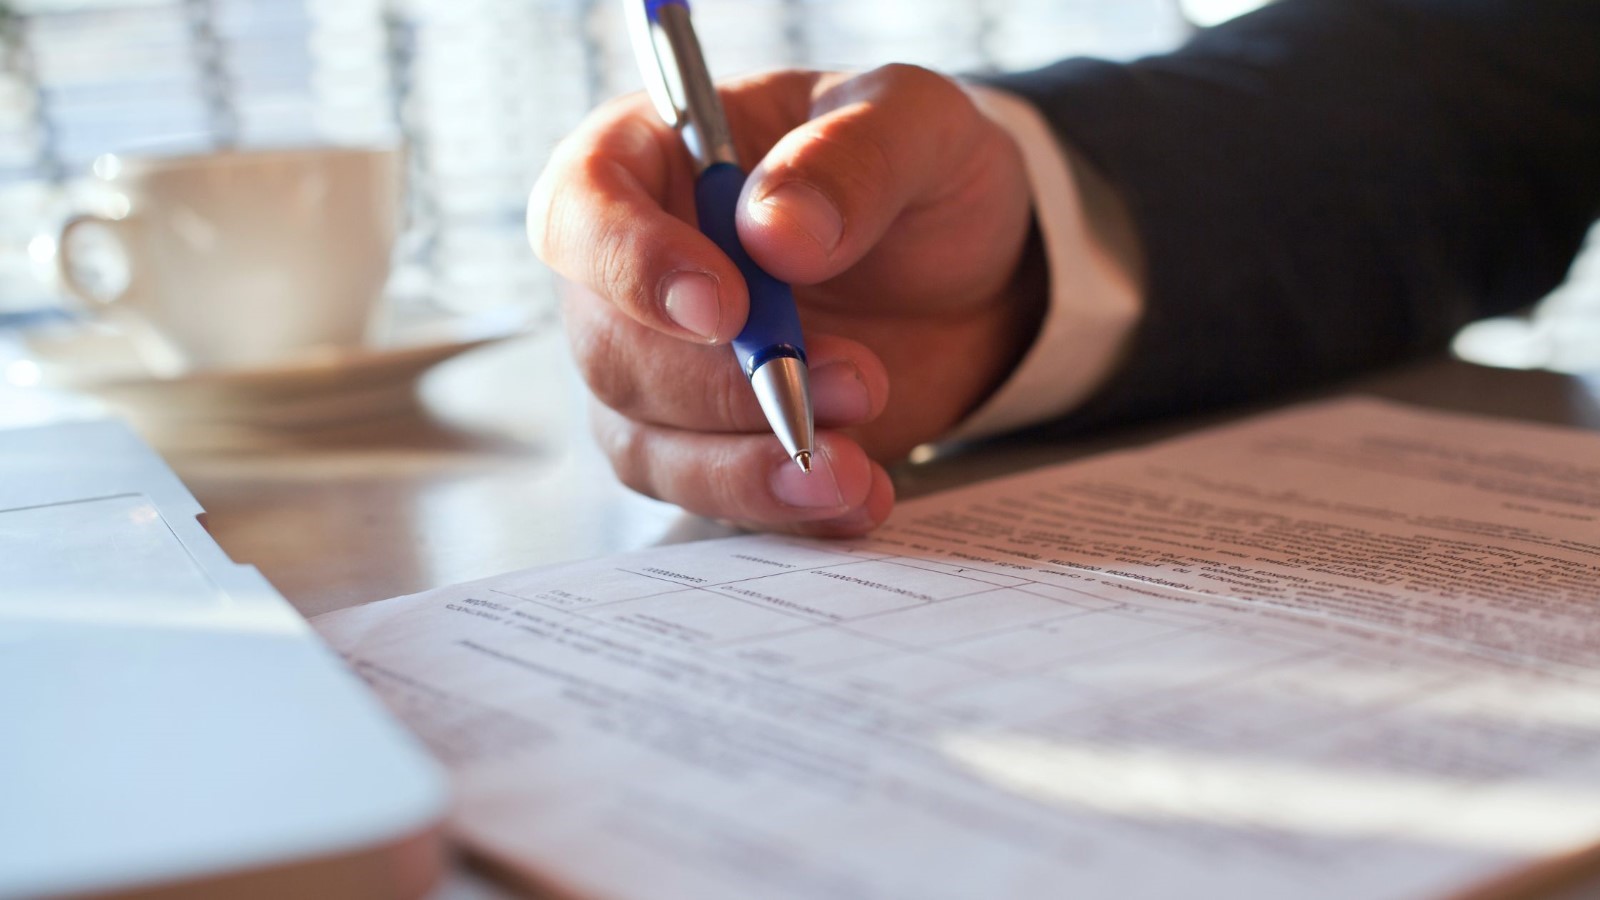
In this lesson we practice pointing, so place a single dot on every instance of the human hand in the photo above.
(901, 216)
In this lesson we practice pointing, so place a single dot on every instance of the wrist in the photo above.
(1086, 245)
(1019, 314)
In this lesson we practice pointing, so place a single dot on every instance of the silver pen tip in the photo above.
(804, 459)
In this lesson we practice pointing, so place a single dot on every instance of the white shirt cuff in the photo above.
(1094, 302)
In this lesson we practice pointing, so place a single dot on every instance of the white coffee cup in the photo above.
(245, 259)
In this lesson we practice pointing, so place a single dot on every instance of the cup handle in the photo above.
(77, 290)
(159, 354)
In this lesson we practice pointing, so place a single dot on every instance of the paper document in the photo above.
(1349, 650)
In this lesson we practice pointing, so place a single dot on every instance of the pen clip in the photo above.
(662, 77)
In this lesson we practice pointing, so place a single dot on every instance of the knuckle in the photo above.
(728, 402)
(869, 171)
(725, 491)
(903, 75)
(874, 165)
(850, 163)
(615, 267)
(578, 232)
(540, 207)
(551, 201)
(939, 101)
(603, 367)
(921, 84)
(623, 443)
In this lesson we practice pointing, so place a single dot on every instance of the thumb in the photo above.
(827, 191)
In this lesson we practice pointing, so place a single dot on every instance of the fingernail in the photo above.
(810, 210)
(690, 299)
(860, 517)
(818, 489)
(839, 395)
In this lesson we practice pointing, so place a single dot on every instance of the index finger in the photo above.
(602, 214)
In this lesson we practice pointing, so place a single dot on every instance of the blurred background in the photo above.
(478, 91)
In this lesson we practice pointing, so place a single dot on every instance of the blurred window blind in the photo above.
(477, 90)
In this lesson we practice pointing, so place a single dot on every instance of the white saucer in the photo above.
(242, 406)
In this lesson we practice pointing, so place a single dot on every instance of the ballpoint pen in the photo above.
(769, 348)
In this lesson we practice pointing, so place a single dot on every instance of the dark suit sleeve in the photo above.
(1328, 185)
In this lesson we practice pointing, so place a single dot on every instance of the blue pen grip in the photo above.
(773, 329)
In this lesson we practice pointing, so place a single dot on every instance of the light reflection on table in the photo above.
(495, 472)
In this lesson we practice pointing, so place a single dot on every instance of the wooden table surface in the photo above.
(495, 471)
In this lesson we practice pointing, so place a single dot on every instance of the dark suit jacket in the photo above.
(1328, 185)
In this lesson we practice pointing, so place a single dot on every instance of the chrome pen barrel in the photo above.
(783, 388)
(704, 125)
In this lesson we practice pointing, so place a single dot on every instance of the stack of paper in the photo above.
(1345, 651)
